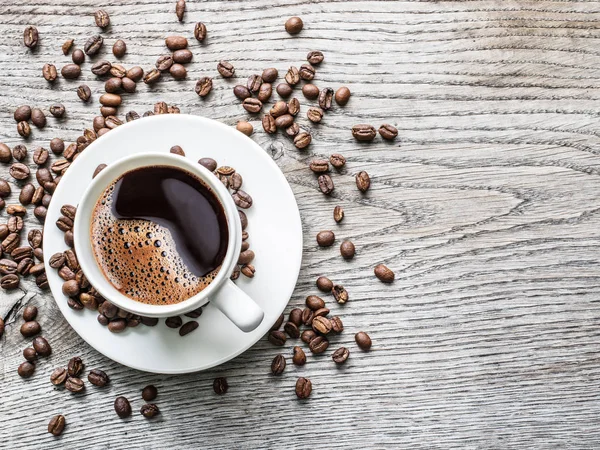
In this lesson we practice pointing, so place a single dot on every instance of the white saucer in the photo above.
(275, 236)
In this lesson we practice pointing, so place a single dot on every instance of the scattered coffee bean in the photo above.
(303, 140)
(280, 108)
(264, 92)
(180, 9)
(26, 369)
(152, 76)
(324, 284)
(29, 353)
(208, 163)
(119, 48)
(388, 132)
(362, 340)
(113, 85)
(149, 410)
(284, 89)
(303, 388)
(8, 267)
(31, 37)
(384, 273)
(41, 346)
(173, 322)
(200, 31)
(284, 121)
(292, 77)
(66, 47)
(24, 129)
(241, 92)
(5, 153)
(204, 86)
(307, 316)
(122, 407)
(270, 75)
(340, 294)
(315, 57)
(57, 110)
(22, 113)
(176, 42)
(338, 161)
(315, 302)
(342, 95)
(292, 130)
(347, 250)
(101, 67)
(321, 325)
(182, 56)
(98, 378)
(164, 62)
(242, 200)
(307, 72)
(93, 45)
(10, 281)
(70, 71)
(19, 152)
(310, 91)
(75, 366)
(117, 326)
(336, 324)
(58, 376)
(56, 426)
(177, 150)
(49, 72)
(248, 270)
(149, 393)
(340, 355)
(325, 97)
(307, 336)
(102, 18)
(78, 56)
(245, 127)
(226, 69)
(364, 132)
(188, 327)
(294, 25)
(177, 71)
(338, 214)
(319, 165)
(295, 316)
(110, 99)
(299, 358)
(84, 92)
(277, 323)
(5, 189)
(325, 184)
(318, 345)
(268, 124)
(292, 330)
(220, 385)
(30, 329)
(363, 181)
(30, 313)
(277, 338)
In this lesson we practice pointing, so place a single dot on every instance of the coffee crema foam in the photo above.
(139, 257)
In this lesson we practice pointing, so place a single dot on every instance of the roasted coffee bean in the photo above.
(318, 345)
(110, 100)
(363, 182)
(246, 257)
(21, 253)
(173, 322)
(307, 336)
(292, 130)
(77, 306)
(177, 150)
(315, 57)
(324, 284)
(264, 92)
(254, 83)
(113, 85)
(122, 407)
(29, 353)
(176, 42)
(340, 355)
(40, 156)
(321, 312)
(294, 25)
(105, 111)
(295, 316)
(307, 316)
(102, 19)
(31, 37)
(278, 364)
(84, 92)
(37, 269)
(16, 210)
(150, 410)
(363, 340)
(131, 115)
(26, 369)
(11, 241)
(299, 358)
(319, 165)
(292, 330)
(269, 75)
(68, 211)
(303, 388)
(342, 95)
(243, 219)
(117, 70)
(128, 85)
(24, 266)
(315, 302)
(88, 301)
(70, 288)
(39, 253)
(78, 57)
(56, 425)
(164, 62)
(152, 76)
(22, 113)
(188, 327)
(364, 132)
(307, 72)
(241, 92)
(58, 376)
(235, 182)
(384, 273)
(321, 325)
(226, 69)
(310, 91)
(242, 199)
(284, 121)
(135, 73)
(70, 71)
(35, 238)
(303, 140)
(101, 67)
(112, 122)
(277, 337)
(98, 169)
(57, 110)
(388, 132)
(109, 309)
(277, 323)
(336, 324)
(183, 56)
(338, 214)
(41, 346)
(220, 385)
(7, 267)
(315, 115)
(292, 77)
(57, 146)
(49, 72)
(19, 152)
(347, 250)
(268, 124)
(284, 89)
(75, 366)
(24, 129)
(30, 313)
(98, 378)
(245, 127)
(93, 45)
(203, 86)
(325, 97)
(5, 189)
(337, 160)
(248, 270)
(340, 294)
(235, 274)
(280, 108)
(200, 31)
(15, 222)
(325, 184)
(117, 326)
(119, 48)
(178, 72)
(209, 163)
(294, 106)
(5, 153)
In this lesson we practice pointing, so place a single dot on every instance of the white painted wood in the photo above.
(487, 207)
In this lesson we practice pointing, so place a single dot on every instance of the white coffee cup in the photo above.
(222, 292)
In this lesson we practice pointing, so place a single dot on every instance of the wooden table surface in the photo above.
(487, 207)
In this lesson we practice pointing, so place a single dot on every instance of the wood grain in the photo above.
(487, 207)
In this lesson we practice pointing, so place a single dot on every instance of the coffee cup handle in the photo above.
(238, 307)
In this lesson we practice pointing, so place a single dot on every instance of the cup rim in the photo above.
(89, 264)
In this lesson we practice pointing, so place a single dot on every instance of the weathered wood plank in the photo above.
(487, 207)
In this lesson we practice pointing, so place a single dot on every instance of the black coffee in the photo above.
(159, 235)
